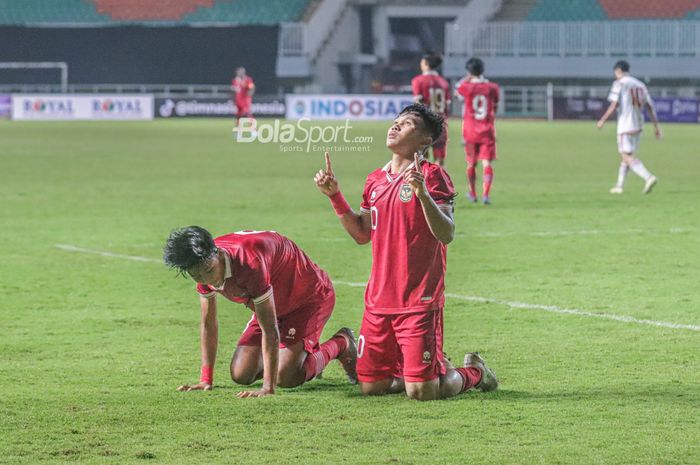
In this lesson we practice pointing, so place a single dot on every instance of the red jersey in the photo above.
(480, 100)
(264, 263)
(434, 89)
(408, 262)
(242, 87)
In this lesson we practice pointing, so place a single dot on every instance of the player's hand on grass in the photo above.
(195, 387)
(414, 178)
(600, 124)
(259, 393)
(325, 179)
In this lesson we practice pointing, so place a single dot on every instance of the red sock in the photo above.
(470, 377)
(488, 179)
(471, 178)
(329, 350)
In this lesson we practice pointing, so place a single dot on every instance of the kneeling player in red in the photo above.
(290, 296)
(407, 214)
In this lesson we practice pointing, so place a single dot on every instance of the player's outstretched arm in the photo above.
(209, 340)
(606, 115)
(440, 221)
(357, 225)
(266, 315)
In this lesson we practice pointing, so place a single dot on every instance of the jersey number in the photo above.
(373, 216)
(480, 106)
(437, 100)
(637, 94)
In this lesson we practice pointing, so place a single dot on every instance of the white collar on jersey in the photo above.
(388, 174)
(430, 73)
(479, 79)
(227, 273)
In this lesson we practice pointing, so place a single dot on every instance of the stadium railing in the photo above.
(300, 43)
(577, 39)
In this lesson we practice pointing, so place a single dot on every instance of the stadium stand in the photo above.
(601, 10)
(136, 10)
(250, 12)
(23, 12)
(171, 12)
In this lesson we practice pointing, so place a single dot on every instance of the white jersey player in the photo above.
(630, 97)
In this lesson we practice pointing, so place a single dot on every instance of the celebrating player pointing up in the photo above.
(407, 214)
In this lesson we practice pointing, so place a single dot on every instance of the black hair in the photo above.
(432, 121)
(434, 60)
(623, 66)
(188, 247)
(475, 66)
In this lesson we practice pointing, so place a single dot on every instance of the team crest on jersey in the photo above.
(406, 193)
(426, 357)
(291, 333)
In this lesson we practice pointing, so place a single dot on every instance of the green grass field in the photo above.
(93, 346)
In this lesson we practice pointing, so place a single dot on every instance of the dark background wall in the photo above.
(144, 55)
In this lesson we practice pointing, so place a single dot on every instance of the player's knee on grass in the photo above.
(426, 390)
(450, 384)
(290, 376)
(243, 376)
(377, 388)
(246, 365)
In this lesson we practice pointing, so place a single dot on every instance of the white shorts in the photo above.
(628, 143)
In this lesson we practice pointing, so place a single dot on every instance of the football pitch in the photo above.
(586, 305)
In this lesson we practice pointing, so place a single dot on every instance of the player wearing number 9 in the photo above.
(478, 130)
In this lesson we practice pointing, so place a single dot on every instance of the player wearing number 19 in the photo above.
(407, 214)
(290, 296)
(478, 130)
(431, 89)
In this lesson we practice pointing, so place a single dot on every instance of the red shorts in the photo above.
(481, 151)
(243, 107)
(407, 345)
(305, 324)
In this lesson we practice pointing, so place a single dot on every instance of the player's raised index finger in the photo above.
(416, 160)
(328, 163)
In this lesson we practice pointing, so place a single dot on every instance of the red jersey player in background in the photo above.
(243, 87)
(480, 100)
(431, 89)
(290, 296)
(407, 214)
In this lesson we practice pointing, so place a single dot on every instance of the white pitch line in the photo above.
(552, 309)
(573, 311)
(579, 232)
(511, 304)
(135, 258)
